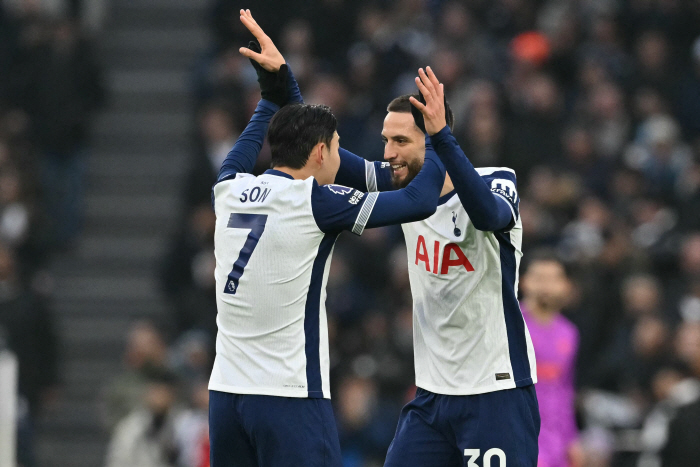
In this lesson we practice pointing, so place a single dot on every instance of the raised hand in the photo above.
(434, 94)
(268, 56)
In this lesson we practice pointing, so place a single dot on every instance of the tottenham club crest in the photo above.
(457, 231)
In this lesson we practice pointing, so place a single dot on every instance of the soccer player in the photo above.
(269, 388)
(475, 365)
(546, 286)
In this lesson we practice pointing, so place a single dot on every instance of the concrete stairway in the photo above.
(138, 158)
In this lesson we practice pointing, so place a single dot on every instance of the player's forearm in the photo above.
(352, 171)
(485, 210)
(416, 202)
(241, 159)
(361, 174)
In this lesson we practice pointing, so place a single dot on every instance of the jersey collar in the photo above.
(278, 173)
(445, 198)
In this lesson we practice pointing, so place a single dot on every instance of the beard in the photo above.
(413, 169)
(549, 302)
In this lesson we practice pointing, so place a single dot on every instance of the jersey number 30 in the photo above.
(474, 455)
(256, 224)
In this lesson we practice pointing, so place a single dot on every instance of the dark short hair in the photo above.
(545, 255)
(296, 129)
(402, 105)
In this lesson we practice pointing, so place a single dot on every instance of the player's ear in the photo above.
(318, 155)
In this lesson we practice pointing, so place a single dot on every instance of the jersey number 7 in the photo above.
(256, 224)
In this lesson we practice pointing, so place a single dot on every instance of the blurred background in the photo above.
(116, 114)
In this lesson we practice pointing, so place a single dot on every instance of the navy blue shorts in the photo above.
(269, 431)
(486, 430)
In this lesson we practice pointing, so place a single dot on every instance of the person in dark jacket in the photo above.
(29, 332)
(63, 89)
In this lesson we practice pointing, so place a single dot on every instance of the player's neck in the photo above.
(448, 186)
(297, 174)
(540, 314)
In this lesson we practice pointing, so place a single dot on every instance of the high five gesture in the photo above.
(267, 56)
(434, 94)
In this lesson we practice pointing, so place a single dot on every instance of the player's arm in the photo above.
(337, 208)
(491, 207)
(366, 210)
(362, 174)
(354, 172)
(241, 159)
(278, 87)
(488, 210)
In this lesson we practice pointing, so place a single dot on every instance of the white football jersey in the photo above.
(273, 252)
(469, 334)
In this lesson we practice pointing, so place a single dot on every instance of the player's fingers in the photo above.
(254, 29)
(418, 105)
(426, 81)
(246, 52)
(250, 16)
(423, 90)
(433, 78)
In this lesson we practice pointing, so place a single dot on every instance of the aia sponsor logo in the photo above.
(452, 256)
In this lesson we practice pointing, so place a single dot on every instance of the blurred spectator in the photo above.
(62, 87)
(689, 97)
(640, 345)
(145, 355)
(191, 356)
(660, 156)
(28, 327)
(14, 213)
(673, 387)
(545, 288)
(681, 448)
(653, 63)
(363, 427)
(147, 435)
(535, 125)
(605, 109)
(192, 428)
(187, 274)
(218, 135)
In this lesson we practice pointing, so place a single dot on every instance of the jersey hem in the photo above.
(298, 394)
(524, 381)
(450, 391)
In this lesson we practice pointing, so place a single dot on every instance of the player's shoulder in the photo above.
(234, 178)
(502, 182)
(494, 172)
(333, 193)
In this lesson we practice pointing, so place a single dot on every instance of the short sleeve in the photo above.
(337, 208)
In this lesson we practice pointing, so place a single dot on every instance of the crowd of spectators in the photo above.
(49, 85)
(596, 105)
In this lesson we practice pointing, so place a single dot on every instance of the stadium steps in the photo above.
(139, 153)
